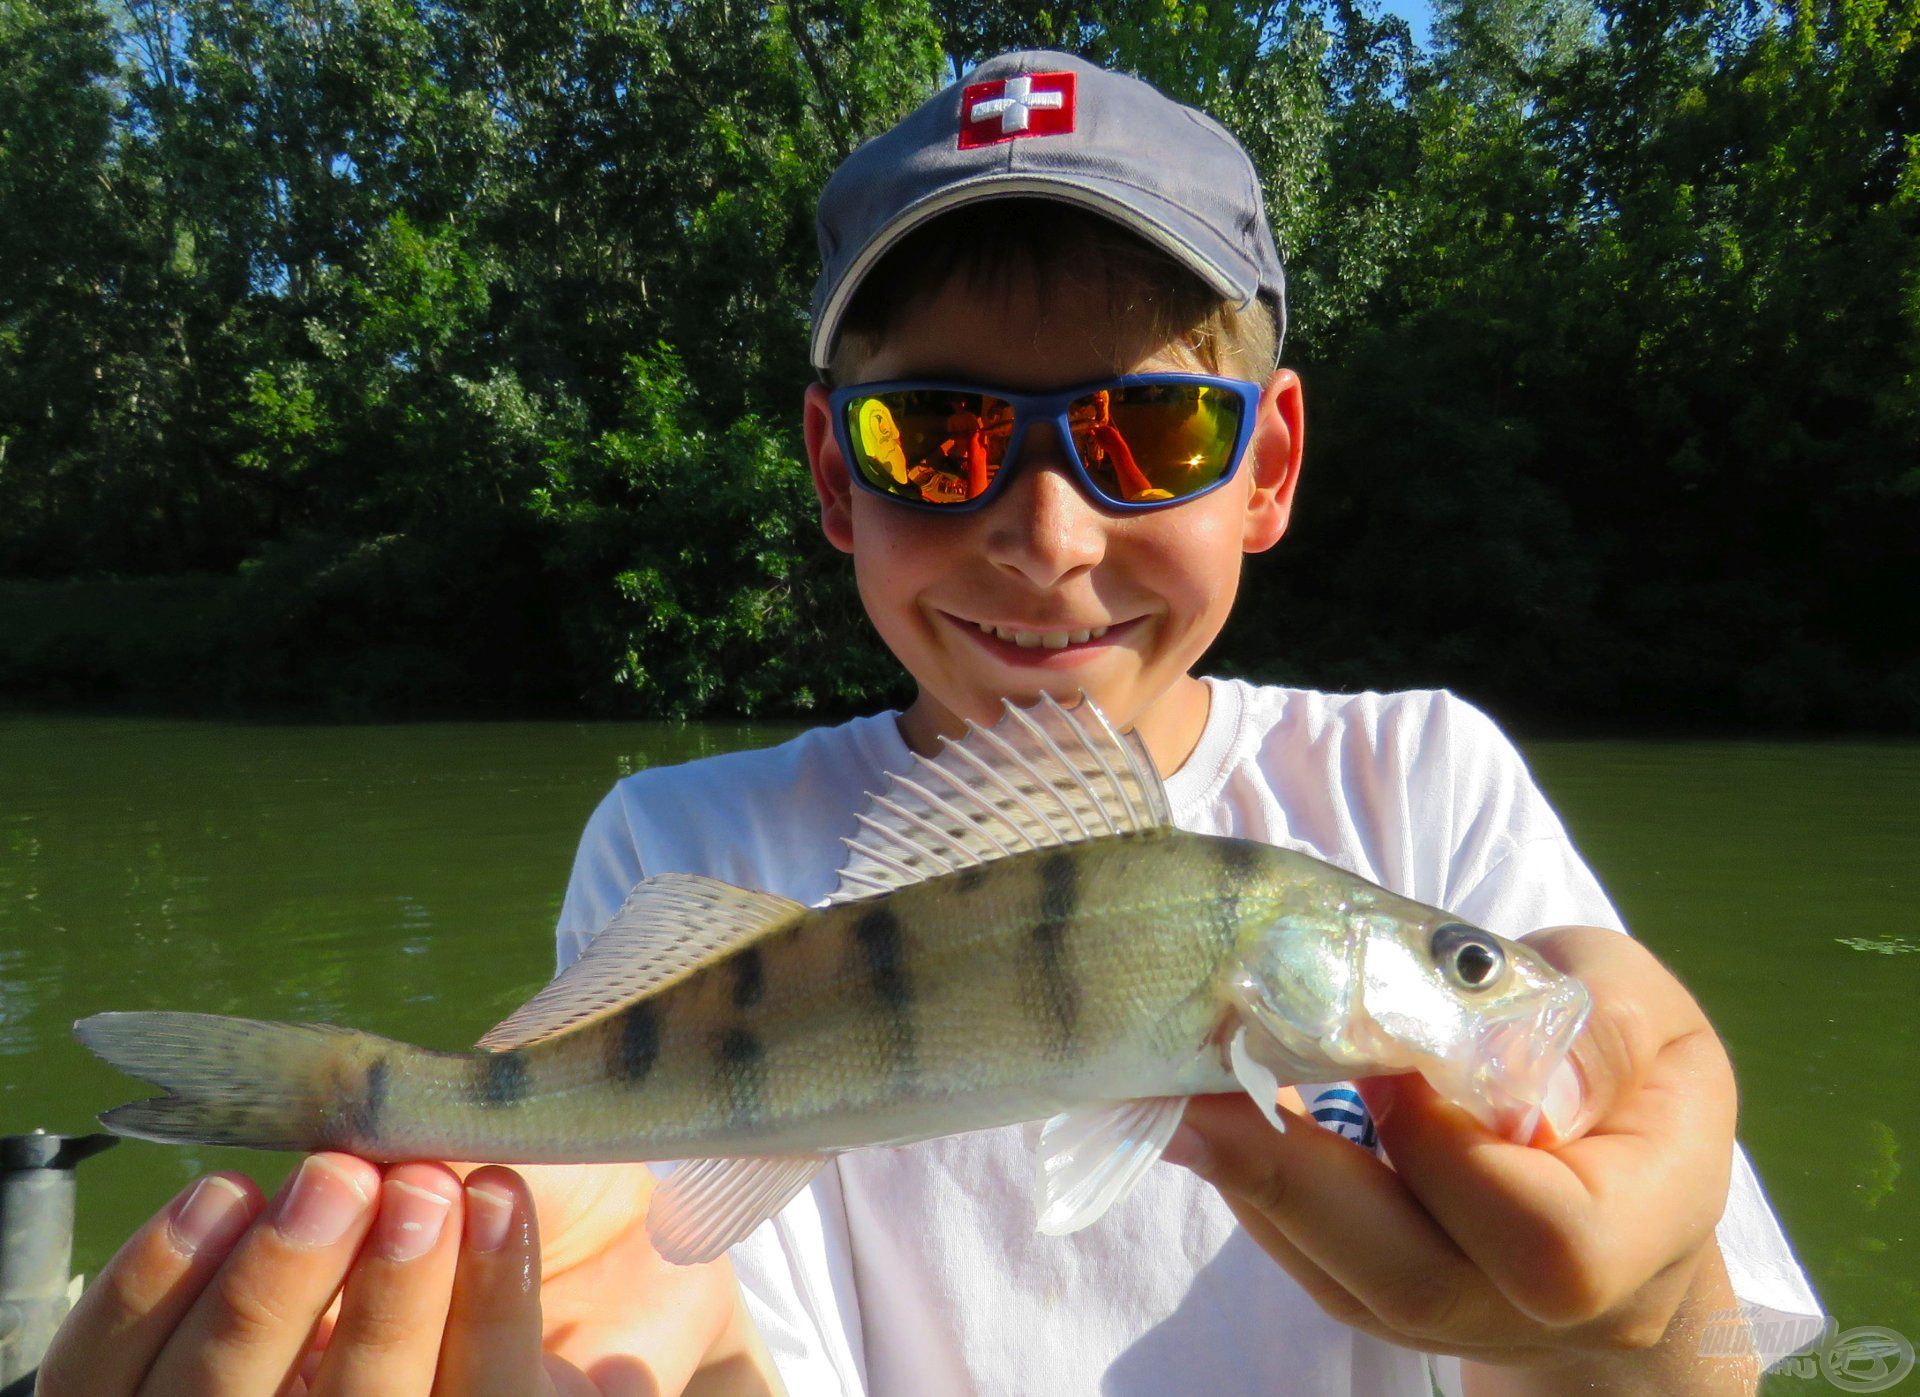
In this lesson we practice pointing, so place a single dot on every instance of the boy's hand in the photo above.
(1581, 1252)
(439, 1290)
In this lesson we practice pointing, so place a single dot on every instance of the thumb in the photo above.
(1638, 1008)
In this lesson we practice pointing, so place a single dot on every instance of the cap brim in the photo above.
(1159, 221)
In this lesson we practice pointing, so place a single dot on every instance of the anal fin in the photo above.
(1091, 1158)
(708, 1205)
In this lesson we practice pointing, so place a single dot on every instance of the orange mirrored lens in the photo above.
(935, 447)
(1155, 441)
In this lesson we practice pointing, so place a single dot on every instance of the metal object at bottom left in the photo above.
(36, 1246)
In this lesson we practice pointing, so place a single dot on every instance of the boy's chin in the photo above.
(1119, 698)
(1169, 717)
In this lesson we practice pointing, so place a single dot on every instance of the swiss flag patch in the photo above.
(1027, 104)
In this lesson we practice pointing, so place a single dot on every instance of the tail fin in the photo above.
(228, 1081)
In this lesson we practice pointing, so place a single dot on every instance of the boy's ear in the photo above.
(829, 469)
(1279, 434)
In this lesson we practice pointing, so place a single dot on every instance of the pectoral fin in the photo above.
(1091, 1158)
(1256, 1078)
(708, 1205)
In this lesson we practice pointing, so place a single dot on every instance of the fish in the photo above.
(1019, 934)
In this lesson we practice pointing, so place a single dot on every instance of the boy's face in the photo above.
(1043, 560)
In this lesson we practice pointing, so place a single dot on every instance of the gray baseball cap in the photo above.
(1041, 124)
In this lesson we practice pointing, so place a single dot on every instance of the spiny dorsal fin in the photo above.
(1041, 776)
(668, 927)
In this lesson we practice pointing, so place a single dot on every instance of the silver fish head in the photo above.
(1368, 983)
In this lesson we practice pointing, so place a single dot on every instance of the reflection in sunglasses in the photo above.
(967, 447)
(880, 438)
(939, 487)
(1136, 443)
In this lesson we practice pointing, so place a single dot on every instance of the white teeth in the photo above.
(1052, 640)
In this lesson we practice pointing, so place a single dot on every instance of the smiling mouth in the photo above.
(1042, 640)
(1050, 640)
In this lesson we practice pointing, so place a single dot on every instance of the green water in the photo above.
(406, 879)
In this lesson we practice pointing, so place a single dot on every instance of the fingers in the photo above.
(123, 1320)
(215, 1297)
(1374, 1251)
(387, 1336)
(491, 1346)
(1637, 1007)
(248, 1329)
(1569, 1233)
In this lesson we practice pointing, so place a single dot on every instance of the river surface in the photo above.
(406, 879)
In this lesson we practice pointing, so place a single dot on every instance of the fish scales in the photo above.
(893, 1018)
(892, 1014)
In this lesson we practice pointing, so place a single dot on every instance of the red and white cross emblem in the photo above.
(1029, 104)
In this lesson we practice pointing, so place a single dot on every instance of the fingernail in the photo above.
(322, 1204)
(212, 1218)
(489, 1215)
(411, 1219)
(1561, 1104)
(1188, 1150)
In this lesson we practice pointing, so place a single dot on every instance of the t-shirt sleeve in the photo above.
(1508, 863)
(605, 869)
(1517, 886)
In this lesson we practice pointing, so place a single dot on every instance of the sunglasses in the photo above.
(1141, 442)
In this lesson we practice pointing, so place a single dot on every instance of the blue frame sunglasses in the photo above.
(1138, 443)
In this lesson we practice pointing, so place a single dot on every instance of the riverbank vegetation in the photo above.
(383, 356)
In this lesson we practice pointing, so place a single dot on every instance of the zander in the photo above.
(1020, 933)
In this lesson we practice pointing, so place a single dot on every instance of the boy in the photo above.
(1043, 226)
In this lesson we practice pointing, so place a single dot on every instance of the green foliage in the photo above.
(682, 548)
(393, 354)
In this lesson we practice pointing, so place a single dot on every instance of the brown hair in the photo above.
(991, 245)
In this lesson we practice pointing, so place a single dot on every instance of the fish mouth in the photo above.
(1513, 1059)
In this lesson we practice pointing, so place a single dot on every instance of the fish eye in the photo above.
(1471, 958)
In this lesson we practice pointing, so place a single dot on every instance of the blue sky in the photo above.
(1417, 13)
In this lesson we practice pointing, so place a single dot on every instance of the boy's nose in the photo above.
(1043, 527)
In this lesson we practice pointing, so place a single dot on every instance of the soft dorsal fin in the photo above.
(1041, 776)
(668, 927)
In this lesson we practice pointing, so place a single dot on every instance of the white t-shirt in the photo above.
(916, 1271)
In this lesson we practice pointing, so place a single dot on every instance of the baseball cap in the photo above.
(1042, 124)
